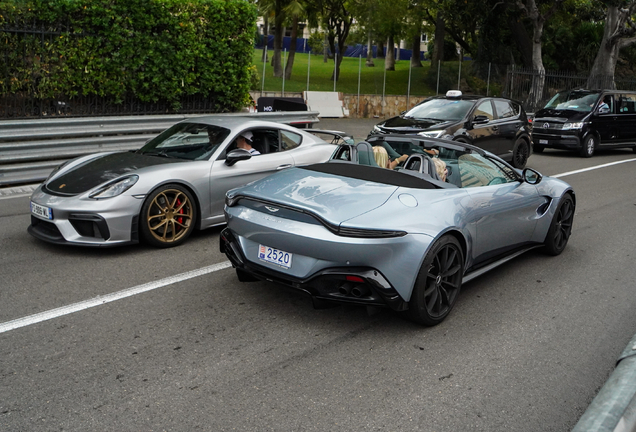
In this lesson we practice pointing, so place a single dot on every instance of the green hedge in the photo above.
(153, 50)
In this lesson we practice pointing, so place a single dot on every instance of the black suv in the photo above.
(587, 120)
(497, 125)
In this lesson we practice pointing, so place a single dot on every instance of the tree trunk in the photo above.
(337, 58)
(538, 81)
(380, 51)
(389, 63)
(278, 39)
(292, 48)
(325, 50)
(415, 48)
(265, 37)
(614, 38)
(440, 34)
(521, 37)
(369, 62)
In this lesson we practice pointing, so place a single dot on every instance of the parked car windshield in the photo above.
(191, 141)
(441, 109)
(579, 100)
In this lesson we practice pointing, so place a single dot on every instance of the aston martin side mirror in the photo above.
(531, 176)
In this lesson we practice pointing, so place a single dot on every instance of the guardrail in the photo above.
(614, 407)
(31, 149)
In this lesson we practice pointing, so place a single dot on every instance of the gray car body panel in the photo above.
(207, 180)
(492, 221)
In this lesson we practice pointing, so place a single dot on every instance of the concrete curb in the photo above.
(614, 407)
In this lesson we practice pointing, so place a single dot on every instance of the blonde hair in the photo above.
(440, 167)
(381, 156)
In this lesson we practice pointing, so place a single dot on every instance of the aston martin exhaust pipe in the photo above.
(345, 288)
(360, 291)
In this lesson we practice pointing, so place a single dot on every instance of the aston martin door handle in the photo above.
(485, 205)
(282, 167)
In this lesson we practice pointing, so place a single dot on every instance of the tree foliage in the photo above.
(155, 50)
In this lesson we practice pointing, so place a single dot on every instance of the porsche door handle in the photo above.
(485, 205)
(282, 167)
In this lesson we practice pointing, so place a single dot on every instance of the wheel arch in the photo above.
(189, 188)
(462, 242)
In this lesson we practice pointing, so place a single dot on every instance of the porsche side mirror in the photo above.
(531, 176)
(237, 155)
(480, 119)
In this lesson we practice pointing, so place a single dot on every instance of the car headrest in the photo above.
(364, 152)
(421, 163)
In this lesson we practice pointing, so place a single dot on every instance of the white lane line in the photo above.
(100, 300)
(565, 174)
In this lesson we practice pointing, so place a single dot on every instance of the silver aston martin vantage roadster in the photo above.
(349, 231)
(172, 185)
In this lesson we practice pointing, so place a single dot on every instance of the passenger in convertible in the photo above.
(382, 158)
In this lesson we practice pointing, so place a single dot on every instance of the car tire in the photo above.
(520, 153)
(589, 145)
(560, 227)
(168, 216)
(537, 148)
(438, 282)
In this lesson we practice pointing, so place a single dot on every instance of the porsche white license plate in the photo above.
(275, 256)
(42, 211)
(543, 141)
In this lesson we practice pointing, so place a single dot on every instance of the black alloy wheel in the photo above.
(168, 216)
(560, 227)
(438, 283)
(520, 153)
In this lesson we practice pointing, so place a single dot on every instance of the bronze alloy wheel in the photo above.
(168, 216)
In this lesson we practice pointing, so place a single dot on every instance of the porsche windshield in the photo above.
(576, 100)
(191, 141)
(441, 109)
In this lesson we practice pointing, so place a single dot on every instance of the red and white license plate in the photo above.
(275, 256)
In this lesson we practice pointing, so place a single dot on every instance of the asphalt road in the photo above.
(525, 349)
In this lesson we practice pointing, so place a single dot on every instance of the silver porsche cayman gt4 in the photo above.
(349, 231)
(172, 185)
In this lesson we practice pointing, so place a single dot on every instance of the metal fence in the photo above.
(23, 105)
(30, 149)
(519, 82)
